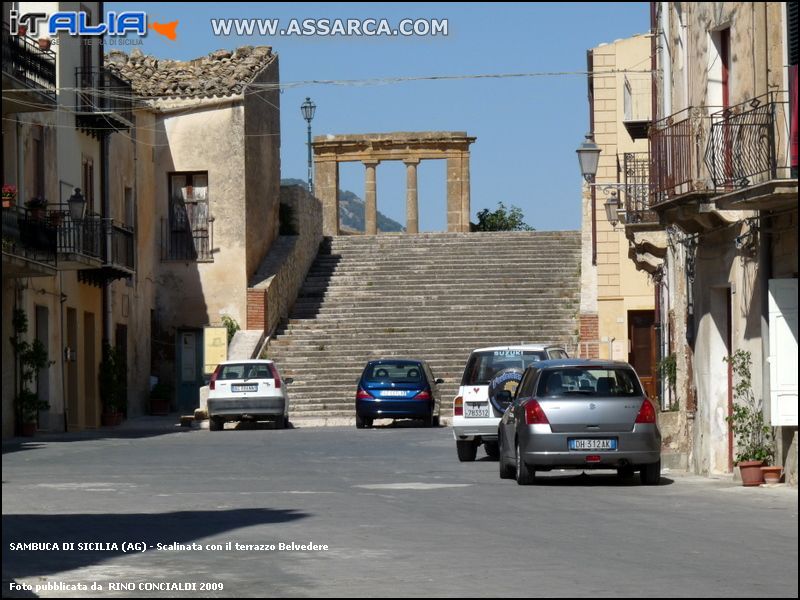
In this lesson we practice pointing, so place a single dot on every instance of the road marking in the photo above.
(414, 485)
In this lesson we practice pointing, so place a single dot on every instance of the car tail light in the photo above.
(212, 383)
(275, 375)
(534, 415)
(593, 458)
(647, 414)
(423, 395)
(458, 407)
(363, 395)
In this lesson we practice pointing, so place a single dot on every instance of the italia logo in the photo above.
(79, 24)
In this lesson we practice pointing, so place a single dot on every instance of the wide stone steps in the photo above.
(430, 296)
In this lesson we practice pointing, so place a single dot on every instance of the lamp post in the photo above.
(308, 108)
(77, 205)
(588, 157)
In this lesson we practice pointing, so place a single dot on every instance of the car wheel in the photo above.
(467, 450)
(492, 450)
(280, 422)
(524, 473)
(428, 421)
(215, 424)
(435, 422)
(651, 474)
(360, 423)
(506, 471)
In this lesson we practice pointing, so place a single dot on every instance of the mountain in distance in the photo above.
(351, 210)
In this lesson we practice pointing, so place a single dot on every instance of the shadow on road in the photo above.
(104, 529)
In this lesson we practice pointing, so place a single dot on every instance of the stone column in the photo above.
(455, 175)
(412, 201)
(326, 188)
(370, 198)
(465, 196)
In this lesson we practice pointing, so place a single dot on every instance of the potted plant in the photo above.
(111, 381)
(44, 43)
(160, 399)
(9, 195)
(37, 205)
(31, 359)
(754, 440)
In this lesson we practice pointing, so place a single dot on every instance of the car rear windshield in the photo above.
(401, 372)
(245, 371)
(589, 381)
(482, 366)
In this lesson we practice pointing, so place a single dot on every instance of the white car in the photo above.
(476, 409)
(247, 390)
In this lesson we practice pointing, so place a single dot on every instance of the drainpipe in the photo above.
(665, 57)
(592, 189)
(20, 163)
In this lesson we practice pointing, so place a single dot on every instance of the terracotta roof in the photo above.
(221, 73)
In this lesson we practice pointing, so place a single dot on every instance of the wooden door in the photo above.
(642, 347)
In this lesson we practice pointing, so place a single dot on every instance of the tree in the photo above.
(502, 219)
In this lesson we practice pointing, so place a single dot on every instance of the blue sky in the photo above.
(527, 128)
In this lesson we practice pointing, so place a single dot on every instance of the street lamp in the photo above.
(308, 108)
(612, 207)
(588, 157)
(77, 205)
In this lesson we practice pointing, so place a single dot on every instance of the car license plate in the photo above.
(393, 393)
(244, 388)
(592, 445)
(478, 411)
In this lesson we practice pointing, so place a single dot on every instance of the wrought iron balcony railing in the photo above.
(29, 235)
(749, 143)
(25, 61)
(677, 148)
(636, 170)
(187, 240)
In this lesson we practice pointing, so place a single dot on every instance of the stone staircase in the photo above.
(429, 296)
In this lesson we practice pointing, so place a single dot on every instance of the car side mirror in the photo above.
(288, 380)
(439, 380)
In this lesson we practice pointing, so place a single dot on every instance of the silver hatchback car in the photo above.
(579, 414)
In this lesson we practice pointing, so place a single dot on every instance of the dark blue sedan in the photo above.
(392, 388)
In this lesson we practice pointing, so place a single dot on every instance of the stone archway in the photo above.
(410, 147)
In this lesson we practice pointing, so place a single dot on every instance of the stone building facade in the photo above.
(723, 185)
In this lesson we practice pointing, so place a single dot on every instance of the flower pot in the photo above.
(9, 201)
(772, 474)
(44, 43)
(28, 429)
(750, 470)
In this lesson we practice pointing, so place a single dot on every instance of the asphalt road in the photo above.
(400, 516)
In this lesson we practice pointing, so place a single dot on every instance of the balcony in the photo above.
(681, 188)
(100, 249)
(104, 102)
(636, 171)
(187, 240)
(29, 244)
(647, 240)
(29, 75)
(748, 155)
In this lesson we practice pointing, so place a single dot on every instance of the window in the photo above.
(188, 229)
(39, 189)
(482, 366)
(588, 381)
(400, 372)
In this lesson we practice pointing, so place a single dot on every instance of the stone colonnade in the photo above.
(372, 148)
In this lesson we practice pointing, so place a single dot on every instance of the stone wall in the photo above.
(275, 286)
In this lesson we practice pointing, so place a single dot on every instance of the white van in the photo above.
(476, 410)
